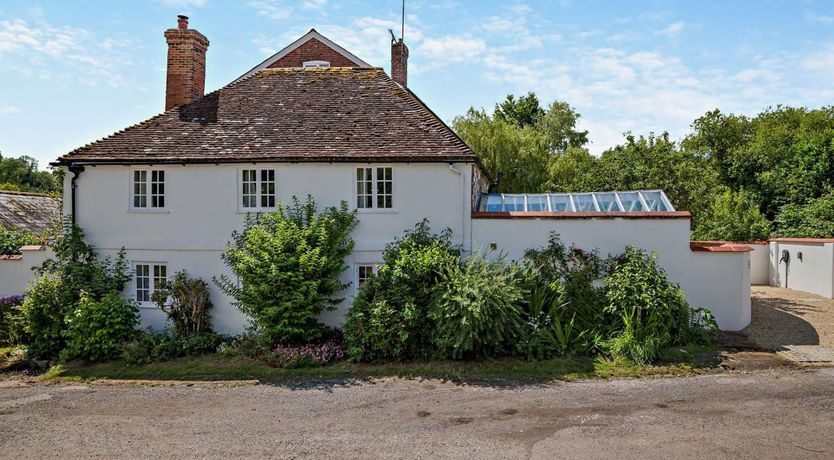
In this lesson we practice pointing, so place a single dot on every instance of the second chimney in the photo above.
(399, 62)
(186, 79)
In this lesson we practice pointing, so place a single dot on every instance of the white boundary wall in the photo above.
(718, 281)
(759, 263)
(16, 271)
(813, 273)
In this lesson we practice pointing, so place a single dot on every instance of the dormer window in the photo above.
(316, 65)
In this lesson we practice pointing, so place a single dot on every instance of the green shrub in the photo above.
(98, 329)
(11, 239)
(477, 310)
(652, 311)
(389, 319)
(812, 220)
(151, 347)
(186, 302)
(74, 269)
(44, 311)
(12, 321)
(732, 216)
(288, 263)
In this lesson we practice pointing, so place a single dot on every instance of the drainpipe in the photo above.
(464, 207)
(76, 171)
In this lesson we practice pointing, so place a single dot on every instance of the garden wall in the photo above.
(16, 271)
(759, 263)
(720, 283)
(810, 265)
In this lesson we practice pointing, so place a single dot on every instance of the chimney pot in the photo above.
(182, 22)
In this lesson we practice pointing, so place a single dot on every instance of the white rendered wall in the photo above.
(759, 263)
(202, 211)
(721, 285)
(720, 282)
(814, 273)
(16, 274)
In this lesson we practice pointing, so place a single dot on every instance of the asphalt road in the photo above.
(774, 414)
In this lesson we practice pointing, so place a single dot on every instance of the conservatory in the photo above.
(630, 201)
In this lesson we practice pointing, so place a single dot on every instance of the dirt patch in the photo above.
(746, 361)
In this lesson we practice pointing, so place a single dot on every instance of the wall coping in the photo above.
(718, 246)
(33, 248)
(581, 215)
(11, 257)
(804, 240)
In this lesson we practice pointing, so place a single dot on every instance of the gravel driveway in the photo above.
(785, 317)
(759, 415)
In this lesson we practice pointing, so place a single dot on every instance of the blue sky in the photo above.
(77, 71)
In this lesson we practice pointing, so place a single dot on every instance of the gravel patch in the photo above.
(782, 317)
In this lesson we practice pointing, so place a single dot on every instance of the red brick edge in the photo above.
(581, 215)
(804, 240)
(718, 246)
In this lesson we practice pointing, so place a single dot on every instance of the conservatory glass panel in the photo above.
(513, 203)
(654, 200)
(607, 202)
(631, 201)
(584, 202)
(536, 203)
(560, 203)
(493, 203)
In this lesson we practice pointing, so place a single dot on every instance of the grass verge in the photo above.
(216, 367)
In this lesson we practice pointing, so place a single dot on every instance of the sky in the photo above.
(76, 71)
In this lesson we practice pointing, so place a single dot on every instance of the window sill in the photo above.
(255, 210)
(149, 211)
(148, 306)
(376, 211)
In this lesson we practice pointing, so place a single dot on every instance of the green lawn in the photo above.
(215, 367)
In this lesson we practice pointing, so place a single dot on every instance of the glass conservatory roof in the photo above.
(632, 201)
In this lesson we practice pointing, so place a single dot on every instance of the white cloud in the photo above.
(819, 18)
(271, 9)
(314, 4)
(7, 109)
(672, 30)
(452, 48)
(61, 53)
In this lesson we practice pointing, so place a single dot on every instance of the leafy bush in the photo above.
(56, 293)
(653, 311)
(98, 329)
(150, 347)
(389, 319)
(12, 322)
(11, 239)
(44, 311)
(186, 302)
(288, 263)
(734, 217)
(477, 312)
(812, 220)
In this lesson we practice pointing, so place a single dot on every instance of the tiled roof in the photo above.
(29, 211)
(336, 114)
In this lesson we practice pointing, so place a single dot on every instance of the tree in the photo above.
(813, 220)
(22, 174)
(520, 139)
(733, 216)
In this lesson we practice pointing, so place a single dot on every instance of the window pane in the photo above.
(249, 188)
(493, 202)
(142, 273)
(364, 188)
(607, 202)
(513, 203)
(537, 203)
(560, 203)
(631, 202)
(655, 201)
(584, 202)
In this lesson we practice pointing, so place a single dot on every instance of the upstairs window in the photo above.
(148, 278)
(374, 188)
(257, 189)
(148, 189)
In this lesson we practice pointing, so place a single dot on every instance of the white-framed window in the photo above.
(147, 279)
(147, 190)
(364, 272)
(257, 189)
(375, 187)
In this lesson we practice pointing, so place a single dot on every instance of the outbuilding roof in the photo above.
(289, 114)
(28, 211)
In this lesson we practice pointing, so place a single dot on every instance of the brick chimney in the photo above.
(399, 62)
(186, 64)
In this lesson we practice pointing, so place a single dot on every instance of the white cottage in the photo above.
(315, 119)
